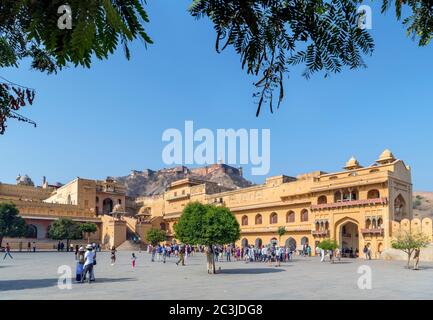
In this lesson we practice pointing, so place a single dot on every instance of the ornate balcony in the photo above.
(351, 203)
(373, 231)
(320, 233)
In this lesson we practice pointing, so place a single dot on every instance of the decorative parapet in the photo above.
(353, 203)
(245, 229)
(179, 197)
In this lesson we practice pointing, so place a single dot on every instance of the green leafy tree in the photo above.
(65, 229)
(11, 224)
(30, 30)
(207, 225)
(328, 244)
(281, 232)
(155, 236)
(88, 228)
(272, 36)
(409, 242)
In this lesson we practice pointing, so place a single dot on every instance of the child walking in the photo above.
(133, 260)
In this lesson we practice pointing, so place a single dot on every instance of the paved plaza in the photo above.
(34, 276)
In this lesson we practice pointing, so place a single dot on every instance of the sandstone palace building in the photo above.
(356, 206)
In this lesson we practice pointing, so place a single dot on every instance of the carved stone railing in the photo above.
(320, 233)
(351, 203)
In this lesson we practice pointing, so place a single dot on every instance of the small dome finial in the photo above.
(352, 164)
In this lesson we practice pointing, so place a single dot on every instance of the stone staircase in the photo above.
(130, 245)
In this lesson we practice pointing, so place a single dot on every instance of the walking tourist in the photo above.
(416, 259)
(338, 254)
(80, 264)
(113, 255)
(369, 251)
(34, 246)
(164, 253)
(133, 258)
(153, 250)
(322, 255)
(365, 251)
(7, 251)
(181, 255)
(89, 257)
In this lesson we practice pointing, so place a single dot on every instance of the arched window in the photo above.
(291, 244)
(326, 225)
(367, 223)
(107, 206)
(399, 208)
(317, 224)
(119, 201)
(258, 243)
(290, 217)
(337, 196)
(273, 219)
(162, 226)
(258, 219)
(374, 223)
(69, 201)
(380, 223)
(373, 194)
(304, 240)
(304, 215)
(97, 199)
(244, 220)
(244, 243)
(322, 200)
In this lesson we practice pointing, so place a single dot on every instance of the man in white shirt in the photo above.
(89, 258)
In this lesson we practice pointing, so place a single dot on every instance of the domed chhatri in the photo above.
(386, 157)
(24, 181)
(118, 208)
(352, 164)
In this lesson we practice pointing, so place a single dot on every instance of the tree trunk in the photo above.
(67, 245)
(210, 260)
(1, 240)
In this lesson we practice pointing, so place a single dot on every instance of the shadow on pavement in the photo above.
(251, 271)
(21, 284)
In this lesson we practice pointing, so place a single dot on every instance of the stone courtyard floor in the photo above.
(34, 276)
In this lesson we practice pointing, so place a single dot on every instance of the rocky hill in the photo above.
(153, 182)
(422, 204)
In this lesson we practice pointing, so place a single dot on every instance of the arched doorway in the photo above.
(304, 241)
(31, 231)
(107, 206)
(291, 244)
(244, 243)
(258, 243)
(349, 239)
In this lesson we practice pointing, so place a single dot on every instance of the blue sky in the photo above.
(109, 119)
